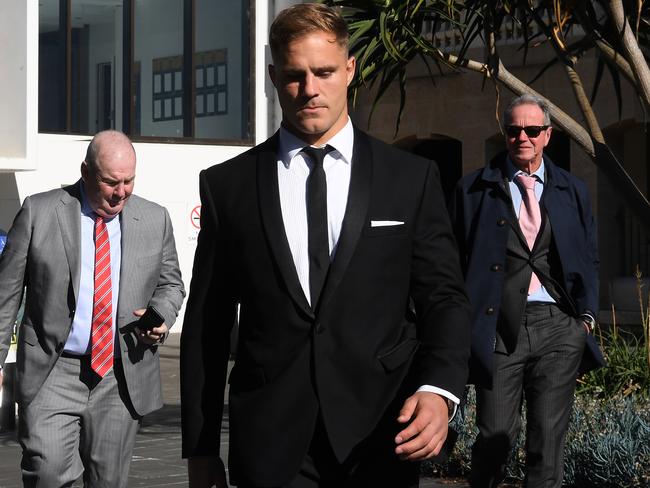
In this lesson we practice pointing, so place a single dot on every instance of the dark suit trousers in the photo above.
(372, 465)
(542, 370)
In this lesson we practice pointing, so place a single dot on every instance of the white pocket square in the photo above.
(385, 223)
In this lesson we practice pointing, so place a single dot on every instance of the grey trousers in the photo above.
(77, 424)
(542, 370)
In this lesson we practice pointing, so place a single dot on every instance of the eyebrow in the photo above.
(316, 70)
(109, 180)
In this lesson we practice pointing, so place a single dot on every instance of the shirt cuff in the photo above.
(589, 319)
(452, 400)
(588, 315)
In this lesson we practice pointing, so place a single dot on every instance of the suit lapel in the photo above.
(129, 228)
(356, 213)
(68, 213)
(271, 213)
(496, 175)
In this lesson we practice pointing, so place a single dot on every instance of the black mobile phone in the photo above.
(150, 319)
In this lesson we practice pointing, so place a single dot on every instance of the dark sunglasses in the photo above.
(530, 130)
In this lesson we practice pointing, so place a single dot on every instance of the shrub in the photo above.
(608, 444)
(627, 370)
(627, 354)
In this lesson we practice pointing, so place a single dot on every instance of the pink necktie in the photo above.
(101, 352)
(530, 220)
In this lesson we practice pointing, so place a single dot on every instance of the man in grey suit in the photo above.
(91, 258)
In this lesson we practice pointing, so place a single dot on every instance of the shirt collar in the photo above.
(513, 171)
(85, 206)
(342, 142)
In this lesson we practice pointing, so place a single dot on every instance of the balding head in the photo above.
(108, 172)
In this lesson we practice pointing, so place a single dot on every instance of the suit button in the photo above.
(495, 267)
(59, 347)
(501, 222)
(489, 311)
(319, 328)
(522, 290)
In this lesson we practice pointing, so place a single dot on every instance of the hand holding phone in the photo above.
(150, 319)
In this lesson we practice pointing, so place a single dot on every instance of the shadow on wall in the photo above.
(9, 200)
(445, 151)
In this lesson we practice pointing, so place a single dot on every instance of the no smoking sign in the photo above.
(195, 217)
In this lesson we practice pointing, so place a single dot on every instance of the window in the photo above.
(162, 69)
(211, 81)
(167, 89)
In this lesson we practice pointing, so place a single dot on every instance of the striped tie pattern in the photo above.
(101, 352)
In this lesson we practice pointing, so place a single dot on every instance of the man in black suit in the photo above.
(528, 248)
(332, 243)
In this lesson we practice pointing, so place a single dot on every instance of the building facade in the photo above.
(187, 80)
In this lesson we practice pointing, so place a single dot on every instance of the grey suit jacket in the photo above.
(42, 256)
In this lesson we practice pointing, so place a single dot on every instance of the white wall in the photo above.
(18, 84)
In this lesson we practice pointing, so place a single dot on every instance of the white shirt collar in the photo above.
(342, 142)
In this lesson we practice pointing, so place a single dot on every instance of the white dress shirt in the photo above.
(78, 341)
(293, 171)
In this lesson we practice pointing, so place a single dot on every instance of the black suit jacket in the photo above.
(348, 359)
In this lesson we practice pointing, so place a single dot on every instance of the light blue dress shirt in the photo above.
(516, 193)
(79, 339)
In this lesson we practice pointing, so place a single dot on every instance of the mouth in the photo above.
(311, 108)
(116, 203)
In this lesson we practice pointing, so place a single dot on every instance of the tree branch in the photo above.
(633, 53)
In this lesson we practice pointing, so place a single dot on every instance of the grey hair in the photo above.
(527, 99)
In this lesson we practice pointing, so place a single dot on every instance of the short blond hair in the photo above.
(304, 18)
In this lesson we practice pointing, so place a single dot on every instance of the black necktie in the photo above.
(319, 252)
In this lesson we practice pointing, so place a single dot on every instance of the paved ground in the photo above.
(157, 456)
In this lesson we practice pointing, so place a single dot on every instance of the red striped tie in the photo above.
(101, 353)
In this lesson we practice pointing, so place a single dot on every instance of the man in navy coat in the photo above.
(527, 241)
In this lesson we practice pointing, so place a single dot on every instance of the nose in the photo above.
(120, 191)
(310, 85)
(522, 136)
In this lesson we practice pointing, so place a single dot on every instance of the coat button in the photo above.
(495, 267)
(523, 290)
(489, 311)
(319, 328)
(501, 222)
